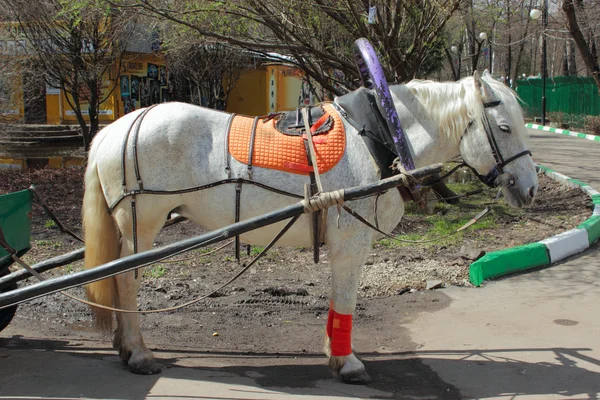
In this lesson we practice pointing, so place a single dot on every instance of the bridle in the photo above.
(496, 177)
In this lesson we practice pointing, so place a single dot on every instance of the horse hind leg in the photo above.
(128, 340)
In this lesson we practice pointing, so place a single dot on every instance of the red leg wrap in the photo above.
(341, 341)
(329, 327)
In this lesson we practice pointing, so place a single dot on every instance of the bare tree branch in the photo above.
(573, 26)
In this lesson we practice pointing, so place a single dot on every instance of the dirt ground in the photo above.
(281, 304)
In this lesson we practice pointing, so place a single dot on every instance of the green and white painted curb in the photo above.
(544, 252)
(564, 132)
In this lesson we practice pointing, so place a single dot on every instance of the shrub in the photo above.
(592, 124)
(558, 117)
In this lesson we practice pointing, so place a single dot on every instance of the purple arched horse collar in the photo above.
(372, 77)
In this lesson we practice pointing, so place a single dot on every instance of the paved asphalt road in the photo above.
(533, 336)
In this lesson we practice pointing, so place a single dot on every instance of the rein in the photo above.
(362, 219)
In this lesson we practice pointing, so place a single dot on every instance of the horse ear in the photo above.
(483, 88)
(486, 74)
(478, 83)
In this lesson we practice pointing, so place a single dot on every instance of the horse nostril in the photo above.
(531, 191)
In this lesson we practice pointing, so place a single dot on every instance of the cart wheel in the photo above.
(7, 314)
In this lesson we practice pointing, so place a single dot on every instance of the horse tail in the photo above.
(101, 244)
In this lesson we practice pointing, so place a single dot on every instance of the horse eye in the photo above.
(504, 128)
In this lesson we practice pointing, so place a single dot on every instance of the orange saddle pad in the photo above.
(275, 150)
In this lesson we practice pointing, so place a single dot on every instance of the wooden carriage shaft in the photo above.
(132, 262)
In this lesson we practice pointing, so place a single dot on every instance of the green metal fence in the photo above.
(567, 94)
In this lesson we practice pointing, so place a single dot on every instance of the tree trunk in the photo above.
(93, 111)
(508, 71)
(509, 50)
(572, 66)
(454, 68)
(76, 107)
(85, 131)
(565, 60)
(584, 50)
(515, 74)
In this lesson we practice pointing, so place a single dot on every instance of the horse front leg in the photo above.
(349, 251)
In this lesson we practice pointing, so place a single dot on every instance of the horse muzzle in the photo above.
(515, 195)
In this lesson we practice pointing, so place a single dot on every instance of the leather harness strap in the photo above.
(199, 188)
(227, 154)
(251, 147)
(311, 147)
(238, 186)
(135, 127)
(238, 195)
(316, 177)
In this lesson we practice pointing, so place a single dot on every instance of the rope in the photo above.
(322, 201)
(370, 225)
(407, 178)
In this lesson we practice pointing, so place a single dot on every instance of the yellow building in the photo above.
(271, 87)
(268, 88)
(11, 87)
(142, 82)
(139, 80)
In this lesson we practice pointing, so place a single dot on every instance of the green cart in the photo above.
(15, 230)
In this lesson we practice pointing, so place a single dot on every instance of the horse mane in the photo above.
(454, 104)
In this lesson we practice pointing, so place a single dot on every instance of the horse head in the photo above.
(493, 144)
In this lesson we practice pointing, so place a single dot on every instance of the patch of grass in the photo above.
(255, 250)
(272, 255)
(229, 258)
(459, 188)
(203, 250)
(48, 243)
(440, 227)
(49, 224)
(157, 271)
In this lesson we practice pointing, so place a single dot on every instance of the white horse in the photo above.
(182, 146)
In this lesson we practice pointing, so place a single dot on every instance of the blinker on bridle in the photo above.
(496, 176)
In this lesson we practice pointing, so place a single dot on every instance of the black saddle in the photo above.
(292, 123)
(360, 109)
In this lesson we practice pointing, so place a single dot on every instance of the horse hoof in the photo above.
(349, 369)
(142, 362)
(150, 367)
(354, 376)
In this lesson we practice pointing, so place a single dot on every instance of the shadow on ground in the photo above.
(55, 368)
